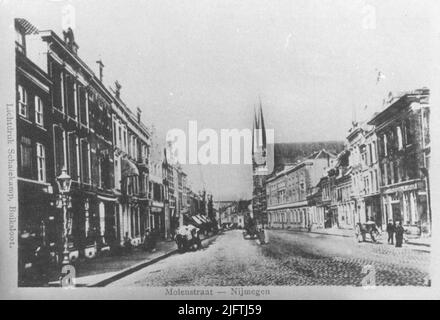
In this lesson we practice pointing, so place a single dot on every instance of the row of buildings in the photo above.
(381, 174)
(122, 180)
(234, 213)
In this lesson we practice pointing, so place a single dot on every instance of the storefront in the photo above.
(373, 210)
(156, 219)
(406, 203)
(37, 224)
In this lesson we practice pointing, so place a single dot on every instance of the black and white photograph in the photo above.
(215, 149)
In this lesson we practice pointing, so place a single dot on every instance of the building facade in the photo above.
(287, 192)
(131, 149)
(363, 160)
(34, 149)
(67, 118)
(402, 130)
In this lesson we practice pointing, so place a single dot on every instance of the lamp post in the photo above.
(64, 181)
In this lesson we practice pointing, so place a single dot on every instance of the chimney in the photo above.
(69, 40)
(101, 69)
(139, 113)
(118, 89)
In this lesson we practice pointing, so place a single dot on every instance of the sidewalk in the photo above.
(102, 270)
(95, 270)
(349, 233)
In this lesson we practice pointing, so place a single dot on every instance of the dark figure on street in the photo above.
(127, 243)
(390, 230)
(372, 229)
(399, 234)
(149, 242)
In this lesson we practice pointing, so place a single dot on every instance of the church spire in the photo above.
(262, 127)
(259, 132)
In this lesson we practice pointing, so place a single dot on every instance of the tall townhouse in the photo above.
(169, 193)
(287, 190)
(131, 140)
(180, 189)
(64, 121)
(342, 204)
(402, 129)
(156, 188)
(34, 145)
(156, 196)
(82, 143)
(363, 159)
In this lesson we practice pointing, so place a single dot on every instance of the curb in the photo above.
(127, 271)
(130, 270)
(323, 233)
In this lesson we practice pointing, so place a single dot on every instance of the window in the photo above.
(385, 145)
(82, 105)
(399, 138)
(22, 102)
(114, 132)
(396, 172)
(118, 173)
(41, 163)
(70, 95)
(39, 111)
(95, 166)
(73, 156)
(26, 157)
(119, 137)
(370, 150)
(389, 173)
(374, 152)
(85, 156)
(59, 150)
(363, 152)
(125, 140)
(376, 181)
(425, 127)
(408, 133)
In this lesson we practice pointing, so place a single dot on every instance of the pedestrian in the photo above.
(399, 234)
(390, 230)
(266, 235)
(261, 235)
(128, 246)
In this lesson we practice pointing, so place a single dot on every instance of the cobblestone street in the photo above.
(291, 258)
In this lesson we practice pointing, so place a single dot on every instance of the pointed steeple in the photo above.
(254, 137)
(262, 127)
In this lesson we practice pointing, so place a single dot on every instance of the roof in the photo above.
(292, 152)
(25, 26)
(399, 102)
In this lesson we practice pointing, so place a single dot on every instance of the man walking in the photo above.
(390, 231)
(399, 234)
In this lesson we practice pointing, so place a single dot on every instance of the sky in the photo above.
(314, 64)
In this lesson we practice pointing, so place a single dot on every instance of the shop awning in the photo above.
(129, 169)
(198, 220)
(193, 220)
(203, 218)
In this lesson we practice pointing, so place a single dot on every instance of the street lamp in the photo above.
(64, 181)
